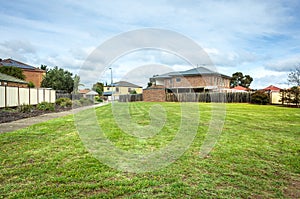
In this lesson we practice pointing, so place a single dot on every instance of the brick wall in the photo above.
(34, 76)
(154, 95)
(196, 81)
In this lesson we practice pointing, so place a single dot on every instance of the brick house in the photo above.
(32, 74)
(7, 80)
(196, 80)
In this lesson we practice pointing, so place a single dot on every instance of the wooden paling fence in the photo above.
(238, 97)
(131, 98)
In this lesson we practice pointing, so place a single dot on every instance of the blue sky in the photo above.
(259, 38)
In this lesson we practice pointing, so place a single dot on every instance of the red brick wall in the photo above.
(154, 95)
(197, 81)
(34, 76)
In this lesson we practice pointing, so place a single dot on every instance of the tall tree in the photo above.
(238, 79)
(58, 79)
(98, 87)
(13, 71)
(294, 76)
(76, 83)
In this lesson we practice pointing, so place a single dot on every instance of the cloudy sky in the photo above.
(259, 38)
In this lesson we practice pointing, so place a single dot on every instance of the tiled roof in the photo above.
(191, 72)
(272, 88)
(125, 84)
(240, 88)
(11, 62)
(8, 78)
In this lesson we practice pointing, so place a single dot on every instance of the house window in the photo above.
(129, 90)
(178, 79)
(108, 88)
(117, 89)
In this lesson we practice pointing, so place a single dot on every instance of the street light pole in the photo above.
(111, 76)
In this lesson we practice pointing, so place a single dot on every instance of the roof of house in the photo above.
(11, 62)
(84, 91)
(272, 88)
(8, 78)
(240, 88)
(191, 72)
(125, 84)
(91, 93)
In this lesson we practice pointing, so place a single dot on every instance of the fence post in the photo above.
(5, 96)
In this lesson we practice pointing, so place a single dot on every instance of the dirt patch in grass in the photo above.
(13, 115)
(293, 189)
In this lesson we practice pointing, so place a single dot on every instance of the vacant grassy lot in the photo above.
(257, 156)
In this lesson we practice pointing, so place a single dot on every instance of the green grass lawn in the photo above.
(256, 156)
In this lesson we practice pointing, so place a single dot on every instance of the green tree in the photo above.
(238, 79)
(98, 87)
(44, 67)
(13, 71)
(294, 76)
(58, 79)
(77, 83)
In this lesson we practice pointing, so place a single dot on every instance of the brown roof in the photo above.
(272, 88)
(240, 88)
(84, 91)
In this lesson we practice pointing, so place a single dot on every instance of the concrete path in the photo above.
(22, 123)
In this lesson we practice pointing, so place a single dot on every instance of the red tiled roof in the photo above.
(272, 88)
(240, 88)
(84, 91)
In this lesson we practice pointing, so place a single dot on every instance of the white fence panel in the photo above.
(53, 96)
(33, 96)
(24, 96)
(2, 96)
(12, 96)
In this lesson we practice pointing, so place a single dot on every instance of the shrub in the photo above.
(76, 104)
(98, 99)
(25, 108)
(260, 97)
(86, 101)
(45, 106)
(31, 84)
(64, 102)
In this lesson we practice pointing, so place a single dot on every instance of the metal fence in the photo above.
(237, 97)
(131, 98)
(15, 96)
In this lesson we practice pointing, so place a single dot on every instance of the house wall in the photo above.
(154, 95)
(196, 81)
(122, 90)
(34, 76)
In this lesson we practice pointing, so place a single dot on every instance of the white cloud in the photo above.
(285, 65)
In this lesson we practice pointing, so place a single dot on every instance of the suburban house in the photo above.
(121, 88)
(7, 80)
(274, 92)
(32, 74)
(196, 80)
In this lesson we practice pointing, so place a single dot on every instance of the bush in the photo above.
(260, 97)
(45, 106)
(31, 85)
(64, 102)
(86, 101)
(76, 104)
(98, 99)
(25, 108)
